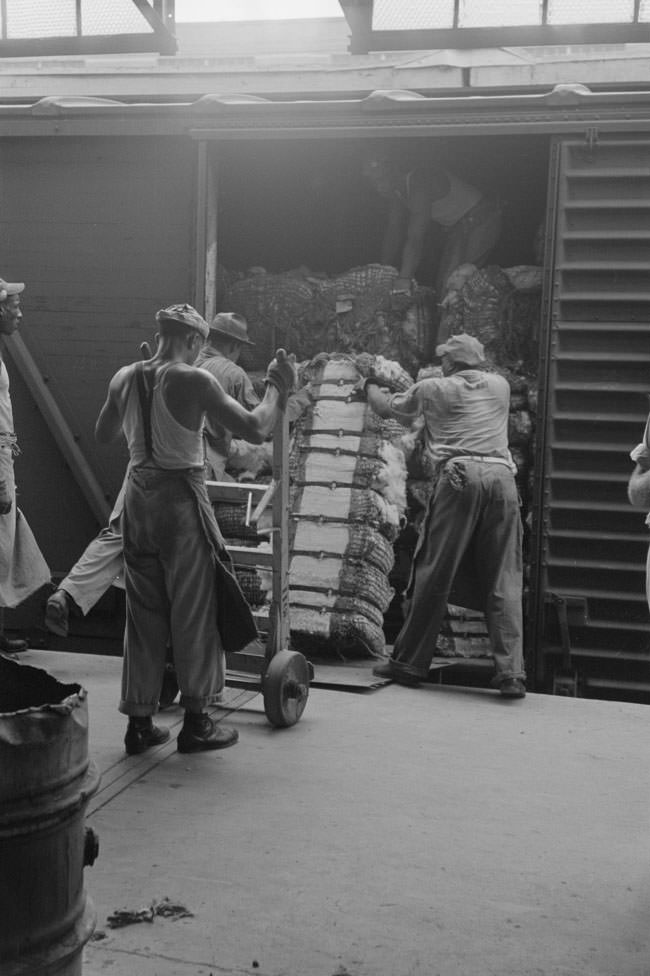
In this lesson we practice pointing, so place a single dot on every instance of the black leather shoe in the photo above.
(12, 646)
(57, 612)
(512, 688)
(200, 733)
(384, 670)
(387, 670)
(142, 734)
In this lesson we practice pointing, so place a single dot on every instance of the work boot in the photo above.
(12, 646)
(387, 670)
(200, 733)
(141, 734)
(57, 611)
(512, 688)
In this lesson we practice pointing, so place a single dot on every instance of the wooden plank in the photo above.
(250, 556)
(279, 613)
(59, 428)
(211, 242)
(261, 618)
(200, 241)
(463, 628)
(234, 492)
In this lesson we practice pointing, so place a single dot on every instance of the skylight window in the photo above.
(412, 15)
(41, 27)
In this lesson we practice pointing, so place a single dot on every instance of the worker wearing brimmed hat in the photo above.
(473, 512)
(231, 325)
(220, 356)
(23, 569)
(174, 555)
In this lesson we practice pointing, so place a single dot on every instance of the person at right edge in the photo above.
(638, 489)
(178, 584)
(474, 508)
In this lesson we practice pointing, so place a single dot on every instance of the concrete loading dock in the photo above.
(473, 837)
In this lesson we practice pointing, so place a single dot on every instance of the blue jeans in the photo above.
(483, 514)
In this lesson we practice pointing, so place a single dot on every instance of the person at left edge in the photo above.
(23, 569)
(173, 549)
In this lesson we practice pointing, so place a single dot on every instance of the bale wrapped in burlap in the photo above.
(348, 498)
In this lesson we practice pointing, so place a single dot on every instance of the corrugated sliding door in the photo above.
(591, 627)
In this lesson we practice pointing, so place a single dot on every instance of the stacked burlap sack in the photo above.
(501, 307)
(348, 498)
(308, 313)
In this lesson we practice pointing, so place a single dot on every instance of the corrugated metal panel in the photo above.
(592, 543)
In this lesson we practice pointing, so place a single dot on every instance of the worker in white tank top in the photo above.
(174, 556)
(471, 220)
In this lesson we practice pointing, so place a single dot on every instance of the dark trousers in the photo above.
(170, 593)
(484, 514)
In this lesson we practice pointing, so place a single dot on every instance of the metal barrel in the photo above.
(46, 780)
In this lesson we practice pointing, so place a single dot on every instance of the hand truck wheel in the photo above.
(285, 687)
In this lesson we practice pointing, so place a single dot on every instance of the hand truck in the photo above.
(281, 674)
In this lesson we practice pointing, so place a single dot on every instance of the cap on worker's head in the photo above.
(462, 348)
(8, 288)
(186, 315)
(232, 325)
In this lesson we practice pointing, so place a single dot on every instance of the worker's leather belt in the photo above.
(483, 458)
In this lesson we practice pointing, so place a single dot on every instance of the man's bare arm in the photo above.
(394, 234)
(638, 488)
(109, 421)
(378, 401)
(416, 230)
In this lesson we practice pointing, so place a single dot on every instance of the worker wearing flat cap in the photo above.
(23, 569)
(178, 586)
(220, 356)
(473, 512)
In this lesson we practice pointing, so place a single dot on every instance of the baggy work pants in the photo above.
(170, 592)
(100, 565)
(484, 513)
